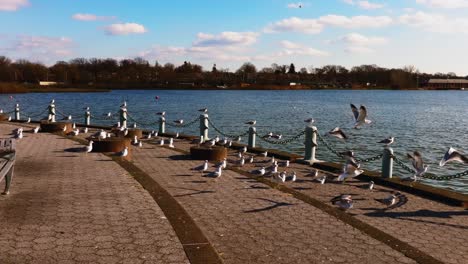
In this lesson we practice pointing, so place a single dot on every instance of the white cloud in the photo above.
(295, 5)
(358, 50)
(291, 48)
(356, 39)
(364, 4)
(226, 38)
(449, 4)
(125, 29)
(39, 48)
(356, 21)
(90, 17)
(360, 44)
(12, 5)
(315, 26)
(295, 24)
(435, 22)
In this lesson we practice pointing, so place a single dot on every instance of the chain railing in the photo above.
(142, 123)
(37, 115)
(225, 134)
(183, 125)
(282, 142)
(328, 146)
(430, 177)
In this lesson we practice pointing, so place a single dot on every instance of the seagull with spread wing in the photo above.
(453, 155)
(360, 116)
(419, 166)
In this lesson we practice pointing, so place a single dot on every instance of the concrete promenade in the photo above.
(72, 207)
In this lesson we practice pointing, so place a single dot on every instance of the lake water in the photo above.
(427, 121)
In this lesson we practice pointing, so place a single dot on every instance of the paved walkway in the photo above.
(75, 207)
(67, 207)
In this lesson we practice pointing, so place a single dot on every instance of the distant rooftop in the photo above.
(457, 81)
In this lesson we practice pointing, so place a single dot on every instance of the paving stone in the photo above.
(62, 204)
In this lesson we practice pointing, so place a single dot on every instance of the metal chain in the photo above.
(370, 159)
(142, 123)
(328, 146)
(281, 142)
(184, 125)
(430, 177)
(225, 134)
(40, 114)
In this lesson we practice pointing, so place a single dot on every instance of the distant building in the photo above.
(447, 83)
(43, 83)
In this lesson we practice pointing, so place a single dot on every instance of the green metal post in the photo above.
(204, 126)
(387, 163)
(162, 125)
(17, 112)
(87, 117)
(252, 132)
(310, 143)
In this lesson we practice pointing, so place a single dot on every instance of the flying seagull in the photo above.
(453, 155)
(350, 170)
(387, 141)
(337, 132)
(359, 116)
(418, 164)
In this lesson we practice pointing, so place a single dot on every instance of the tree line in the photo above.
(139, 72)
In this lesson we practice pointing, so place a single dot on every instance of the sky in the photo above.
(431, 35)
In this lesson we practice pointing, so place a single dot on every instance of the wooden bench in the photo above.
(7, 161)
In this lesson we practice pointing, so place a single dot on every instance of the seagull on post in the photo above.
(251, 123)
(309, 121)
(453, 155)
(203, 110)
(388, 141)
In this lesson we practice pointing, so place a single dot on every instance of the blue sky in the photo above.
(429, 34)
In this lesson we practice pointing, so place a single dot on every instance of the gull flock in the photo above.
(351, 168)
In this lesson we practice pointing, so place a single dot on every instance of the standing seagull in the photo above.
(370, 186)
(453, 155)
(387, 141)
(203, 110)
(202, 168)
(390, 200)
(179, 122)
(337, 132)
(89, 148)
(252, 122)
(344, 201)
(359, 116)
(418, 164)
(123, 153)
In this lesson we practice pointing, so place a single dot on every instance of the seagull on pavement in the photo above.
(370, 186)
(123, 153)
(203, 167)
(89, 147)
(344, 201)
(390, 200)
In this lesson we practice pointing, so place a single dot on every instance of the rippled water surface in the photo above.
(427, 121)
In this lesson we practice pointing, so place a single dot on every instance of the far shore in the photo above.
(19, 88)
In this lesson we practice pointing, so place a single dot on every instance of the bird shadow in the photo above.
(81, 149)
(67, 156)
(275, 205)
(197, 181)
(184, 175)
(301, 188)
(195, 192)
(179, 157)
(255, 187)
